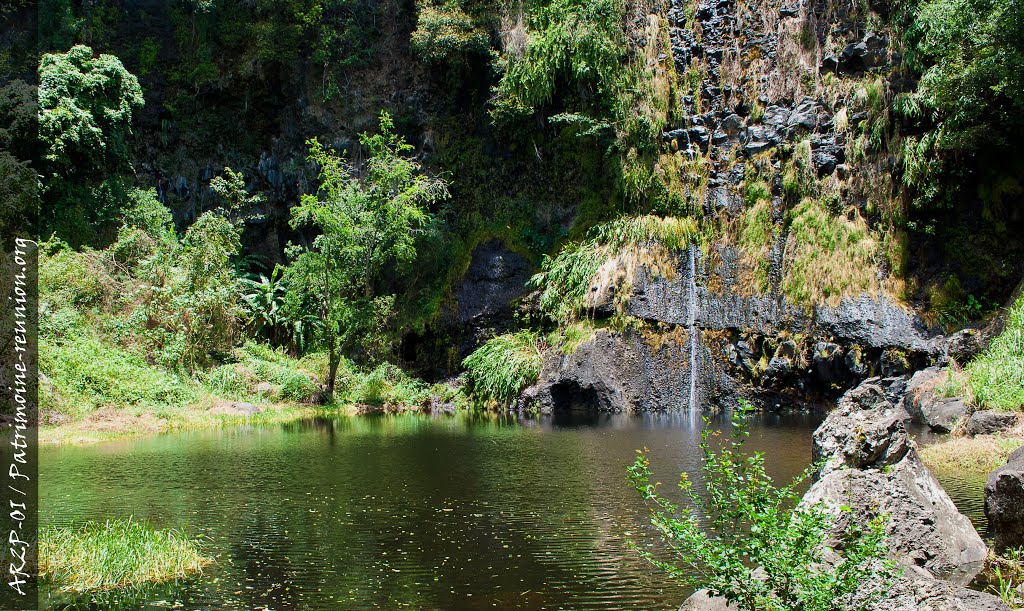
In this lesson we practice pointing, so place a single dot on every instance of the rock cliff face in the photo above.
(757, 346)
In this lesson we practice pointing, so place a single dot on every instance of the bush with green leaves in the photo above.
(446, 34)
(500, 369)
(748, 541)
(565, 280)
(86, 105)
(256, 363)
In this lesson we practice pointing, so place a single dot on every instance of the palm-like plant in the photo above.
(263, 298)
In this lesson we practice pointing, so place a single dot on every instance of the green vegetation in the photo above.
(1006, 576)
(977, 456)
(117, 554)
(565, 280)
(446, 34)
(995, 378)
(367, 217)
(500, 369)
(828, 257)
(86, 104)
(748, 523)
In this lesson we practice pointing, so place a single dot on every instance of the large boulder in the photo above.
(864, 431)
(701, 600)
(870, 464)
(922, 594)
(989, 422)
(1004, 502)
(942, 414)
(921, 389)
(924, 528)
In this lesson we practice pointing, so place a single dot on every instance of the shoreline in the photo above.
(119, 424)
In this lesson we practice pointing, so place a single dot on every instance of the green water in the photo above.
(392, 512)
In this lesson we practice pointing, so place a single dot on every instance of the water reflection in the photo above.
(403, 511)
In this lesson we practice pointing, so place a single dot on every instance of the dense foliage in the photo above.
(748, 543)
(86, 105)
(995, 378)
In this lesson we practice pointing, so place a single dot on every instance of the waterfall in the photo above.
(694, 331)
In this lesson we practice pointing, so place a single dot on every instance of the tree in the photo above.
(367, 217)
(86, 105)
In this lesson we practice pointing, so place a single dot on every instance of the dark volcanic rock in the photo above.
(1004, 502)
(614, 372)
(941, 415)
(495, 279)
(990, 422)
(864, 431)
(965, 344)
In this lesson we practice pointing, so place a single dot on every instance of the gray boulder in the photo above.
(702, 601)
(990, 422)
(871, 465)
(920, 389)
(942, 414)
(1004, 502)
(965, 344)
(864, 431)
(924, 527)
(923, 594)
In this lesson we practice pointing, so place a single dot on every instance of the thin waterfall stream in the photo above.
(694, 331)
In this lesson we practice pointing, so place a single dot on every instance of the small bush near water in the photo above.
(748, 544)
(116, 554)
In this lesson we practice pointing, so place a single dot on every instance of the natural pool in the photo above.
(402, 511)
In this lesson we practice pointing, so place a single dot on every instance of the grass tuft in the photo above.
(117, 554)
(828, 257)
(500, 369)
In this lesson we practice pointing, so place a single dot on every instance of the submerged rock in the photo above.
(1004, 502)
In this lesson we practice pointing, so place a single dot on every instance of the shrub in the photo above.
(500, 369)
(87, 373)
(387, 384)
(446, 34)
(119, 553)
(748, 523)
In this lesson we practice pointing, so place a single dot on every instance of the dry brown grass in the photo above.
(972, 455)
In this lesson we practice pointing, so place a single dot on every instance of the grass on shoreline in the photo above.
(971, 455)
(125, 553)
(995, 379)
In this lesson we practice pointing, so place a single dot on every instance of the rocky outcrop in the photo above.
(871, 465)
(614, 372)
(1004, 502)
(910, 593)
